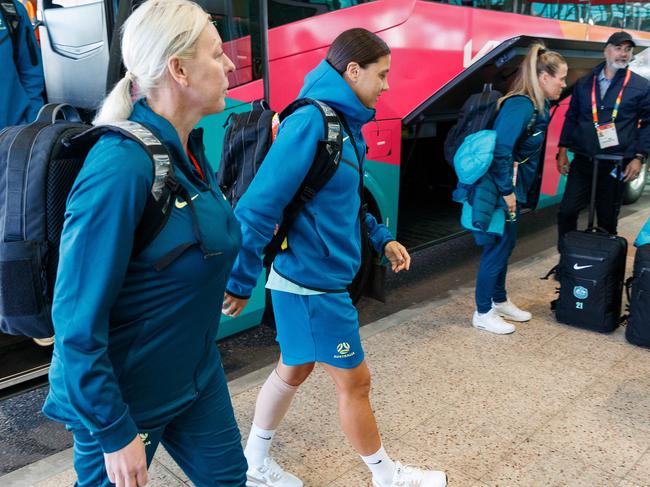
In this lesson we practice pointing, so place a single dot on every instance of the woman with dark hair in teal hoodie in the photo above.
(135, 362)
(316, 320)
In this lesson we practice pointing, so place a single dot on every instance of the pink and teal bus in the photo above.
(441, 53)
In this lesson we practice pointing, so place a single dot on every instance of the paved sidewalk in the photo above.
(549, 405)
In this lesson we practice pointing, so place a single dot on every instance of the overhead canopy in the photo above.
(499, 67)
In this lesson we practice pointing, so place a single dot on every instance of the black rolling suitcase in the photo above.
(638, 295)
(591, 273)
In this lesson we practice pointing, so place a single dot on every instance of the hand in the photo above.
(562, 162)
(511, 201)
(128, 467)
(397, 255)
(632, 170)
(232, 306)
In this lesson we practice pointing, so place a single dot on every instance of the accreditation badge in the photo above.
(607, 136)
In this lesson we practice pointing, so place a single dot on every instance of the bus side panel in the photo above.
(382, 182)
(252, 314)
(552, 182)
(439, 41)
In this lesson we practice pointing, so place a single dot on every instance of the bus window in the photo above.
(236, 22)
(547, 9)
(286, 11)
(637, 16)
(610, 13)
(574, 11)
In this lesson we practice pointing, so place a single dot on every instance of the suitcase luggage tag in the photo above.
(617, 173)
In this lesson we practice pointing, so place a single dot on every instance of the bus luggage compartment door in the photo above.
(75, 49)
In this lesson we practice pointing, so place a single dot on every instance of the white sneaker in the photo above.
(510, 311)
(270, 474)
(409, 476)
(492, 322)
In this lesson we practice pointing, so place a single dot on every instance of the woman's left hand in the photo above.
(232, 306)
(399, 258)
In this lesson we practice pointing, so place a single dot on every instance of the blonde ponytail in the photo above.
(153, 33)
(118, 105)
(537, 61)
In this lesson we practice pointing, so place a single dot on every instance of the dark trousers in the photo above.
(577, 195)
(491, 279)
(204, 441)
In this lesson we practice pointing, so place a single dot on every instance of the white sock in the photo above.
(258, 445)
(381, 466)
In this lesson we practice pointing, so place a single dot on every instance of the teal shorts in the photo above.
(318, 328)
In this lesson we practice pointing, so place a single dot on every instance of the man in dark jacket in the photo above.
(609, 114)
(22, 84)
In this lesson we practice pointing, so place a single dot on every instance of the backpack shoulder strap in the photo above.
(325, 163)
(328, 152)
(165, 184)
(530, 128)
(331, 121)
(17, 158)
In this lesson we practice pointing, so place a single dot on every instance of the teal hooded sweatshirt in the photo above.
(134, 346)
(324, 243)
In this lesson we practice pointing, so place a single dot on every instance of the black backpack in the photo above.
(477, 113)
(247, 140)
(39, 163)
(13, 22)
(638, 295)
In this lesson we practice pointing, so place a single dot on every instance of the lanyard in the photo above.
(594, 107)
(196, 164)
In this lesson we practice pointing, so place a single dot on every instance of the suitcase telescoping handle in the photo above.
(618, 161)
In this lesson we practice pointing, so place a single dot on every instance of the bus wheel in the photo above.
(634, 189)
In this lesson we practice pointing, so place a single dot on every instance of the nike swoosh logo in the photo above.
(376, 463)
(346, 138)
(263, 438)
(578, 267)
(183, 204)
(537, 133)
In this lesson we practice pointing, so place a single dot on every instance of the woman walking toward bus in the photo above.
(135, 362)
(316, 320)
(520, 127)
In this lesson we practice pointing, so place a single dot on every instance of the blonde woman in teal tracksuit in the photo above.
(135, 362)
(316, 320)
(541, 78)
